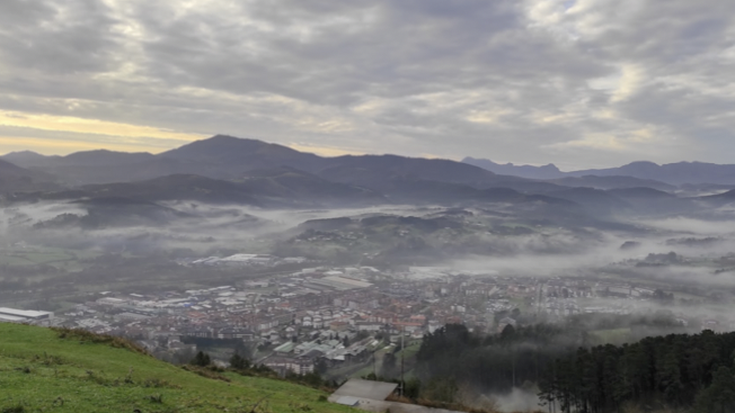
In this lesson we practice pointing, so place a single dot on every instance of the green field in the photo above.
(57, 257)
(40, 371)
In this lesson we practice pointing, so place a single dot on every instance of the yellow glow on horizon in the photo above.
(129, 137)
(47, 146)
(90, 126)
(323, 150)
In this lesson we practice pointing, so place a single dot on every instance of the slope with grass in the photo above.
(45, 370)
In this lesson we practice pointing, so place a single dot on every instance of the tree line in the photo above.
(689, 372)
(693, 372)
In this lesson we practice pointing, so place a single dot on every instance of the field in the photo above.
(41, 371)
(57, 257)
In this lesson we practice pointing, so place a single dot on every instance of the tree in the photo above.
(388, 370)
(321, 366)
(508, 333)
(238, 362)
(201, 359)
(719, 397)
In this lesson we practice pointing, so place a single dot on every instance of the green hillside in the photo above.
(43, 370)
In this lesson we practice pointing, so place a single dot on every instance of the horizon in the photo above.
(356, 154)
(580, 83)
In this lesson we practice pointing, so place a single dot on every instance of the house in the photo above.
(283, 365)
(239, 333)
(339, 326)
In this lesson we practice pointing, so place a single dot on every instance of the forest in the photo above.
(689, 372)
(678, 370)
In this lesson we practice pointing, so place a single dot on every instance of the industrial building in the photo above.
(13, 315)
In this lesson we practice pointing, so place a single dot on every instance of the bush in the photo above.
(88, 337)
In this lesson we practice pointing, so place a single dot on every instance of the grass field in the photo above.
(42, 372)
(58, 257)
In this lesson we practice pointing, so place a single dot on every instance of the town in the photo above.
(335, 319)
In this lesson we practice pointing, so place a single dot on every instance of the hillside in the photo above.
(14, 178)
(281, 187)
(41, 371)
(612, 182)
(176, 187)
(28, 159)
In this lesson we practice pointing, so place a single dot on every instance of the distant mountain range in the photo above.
(549, 171)
(671, 174)
(225, 169)
(225, 157)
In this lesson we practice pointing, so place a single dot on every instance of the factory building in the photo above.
(13, 315)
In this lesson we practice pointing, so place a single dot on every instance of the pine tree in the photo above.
(201, 359)
(719, 397)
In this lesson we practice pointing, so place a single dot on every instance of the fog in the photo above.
(537, 251)
(518, 400)
(682, 267)
(686, 225)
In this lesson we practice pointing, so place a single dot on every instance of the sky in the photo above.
(580, 83)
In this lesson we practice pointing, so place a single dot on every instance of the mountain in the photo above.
(28, 159)
(104, 158)
(283, 187)
(649, 201)
(100, 157)
(77, 371)
(371, 170)
(238, 155)
(121, 171)
(549, 171)
(722, 199)
(227, 157)
(230, 158)
(292, 184)
(596, 201)
(8, 170)
(612, 182)
(171, 188)
(672, 173)
(105, 212)
(14, 178)
(89, 167)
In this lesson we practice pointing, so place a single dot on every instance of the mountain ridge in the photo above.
(675, 173)
(13, 178)
(228, 157)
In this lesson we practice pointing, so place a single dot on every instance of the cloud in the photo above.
(582, 83)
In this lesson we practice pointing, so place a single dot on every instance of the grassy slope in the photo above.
(39, 370)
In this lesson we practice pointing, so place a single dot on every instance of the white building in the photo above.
(13, 315)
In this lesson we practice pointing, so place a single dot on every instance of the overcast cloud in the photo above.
(586, 83)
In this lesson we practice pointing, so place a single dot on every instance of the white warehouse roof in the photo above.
(24, 313)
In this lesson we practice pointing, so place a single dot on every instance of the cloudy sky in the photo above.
(585, 83)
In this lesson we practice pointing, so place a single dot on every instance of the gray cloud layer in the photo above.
(581, 83)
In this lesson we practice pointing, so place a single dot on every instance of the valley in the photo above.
(327, 269)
